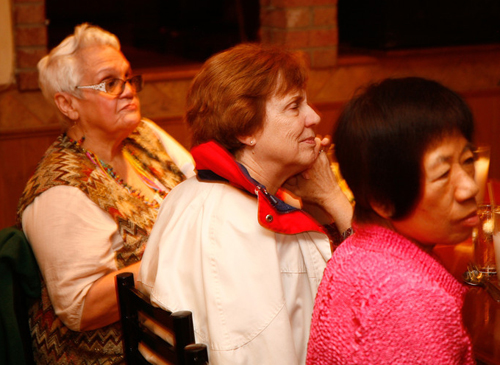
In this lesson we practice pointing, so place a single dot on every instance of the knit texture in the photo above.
(383, 300)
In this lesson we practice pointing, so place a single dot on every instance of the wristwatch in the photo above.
(349, 231)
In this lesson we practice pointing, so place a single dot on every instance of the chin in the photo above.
(304, 165)
(311, 158)
(133, 120)
(457, 237)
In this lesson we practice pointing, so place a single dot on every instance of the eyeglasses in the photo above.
(116, 86)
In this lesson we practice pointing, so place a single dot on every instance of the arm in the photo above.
(74, 243)
(101, 308)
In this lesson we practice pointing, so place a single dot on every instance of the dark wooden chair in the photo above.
(154, 335)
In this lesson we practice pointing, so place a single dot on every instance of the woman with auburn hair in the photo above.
(225, 246)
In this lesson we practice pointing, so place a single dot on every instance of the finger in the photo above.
(318, 147)
(322, 155)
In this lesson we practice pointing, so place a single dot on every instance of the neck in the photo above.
(265, 175)
(106, 149)
(387, 223)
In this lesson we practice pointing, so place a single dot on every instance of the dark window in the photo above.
(398, 24)
(157, 33)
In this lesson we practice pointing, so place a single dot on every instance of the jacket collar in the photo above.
(215, 163)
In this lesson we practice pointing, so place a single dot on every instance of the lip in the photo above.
(471, 220)
(131, 106)
(309, 140)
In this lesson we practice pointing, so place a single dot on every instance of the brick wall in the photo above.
(307, 25)
(30, 39)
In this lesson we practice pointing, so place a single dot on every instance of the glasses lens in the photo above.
(114, 86)
(136, 83)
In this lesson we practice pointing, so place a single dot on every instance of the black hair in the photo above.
(382, 136)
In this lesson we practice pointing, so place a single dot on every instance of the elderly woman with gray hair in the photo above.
(92, 201)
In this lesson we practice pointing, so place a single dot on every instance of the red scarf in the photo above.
(214, 162)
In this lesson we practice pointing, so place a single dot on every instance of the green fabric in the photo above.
(17, 267)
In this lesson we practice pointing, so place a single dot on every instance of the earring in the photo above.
(252, 142)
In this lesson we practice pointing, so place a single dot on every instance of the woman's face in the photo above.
(286, 141)
(446, 211)
(100, 112)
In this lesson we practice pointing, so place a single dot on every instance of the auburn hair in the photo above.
(227, 98)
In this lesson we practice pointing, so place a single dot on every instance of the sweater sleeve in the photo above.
(412, 322)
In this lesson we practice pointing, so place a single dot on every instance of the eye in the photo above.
(296, 104)
(469, 161)
(444, 175)
(112, 85)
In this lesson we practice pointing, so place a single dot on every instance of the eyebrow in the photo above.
(447, 159)
(295, 99)
(108, 72)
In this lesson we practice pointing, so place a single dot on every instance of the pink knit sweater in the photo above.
(383, 300)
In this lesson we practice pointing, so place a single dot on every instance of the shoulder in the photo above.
(212, 215)
(210, 198)
(63, 204)
(381, 285)
(61, 165)
(150, 128)
(179, 155)
(374, 278)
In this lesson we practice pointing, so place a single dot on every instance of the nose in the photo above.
(312, 118)
(128, 90)
(467, 187)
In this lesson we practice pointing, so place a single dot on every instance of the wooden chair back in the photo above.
(153, 335)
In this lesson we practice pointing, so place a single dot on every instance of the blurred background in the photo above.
(348, 44)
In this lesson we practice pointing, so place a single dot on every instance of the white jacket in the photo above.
(251, 290)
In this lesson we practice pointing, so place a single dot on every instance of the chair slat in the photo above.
(140, 319)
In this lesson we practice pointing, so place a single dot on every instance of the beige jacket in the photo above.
(251, 290)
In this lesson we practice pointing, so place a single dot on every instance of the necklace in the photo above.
(142, 171)
(146, 175)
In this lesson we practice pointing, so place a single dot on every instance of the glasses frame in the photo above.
(102, 85)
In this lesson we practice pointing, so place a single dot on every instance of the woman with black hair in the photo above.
(404, 147)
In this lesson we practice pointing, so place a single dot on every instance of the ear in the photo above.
(247, 140)
(66, 104)
(384, 210)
